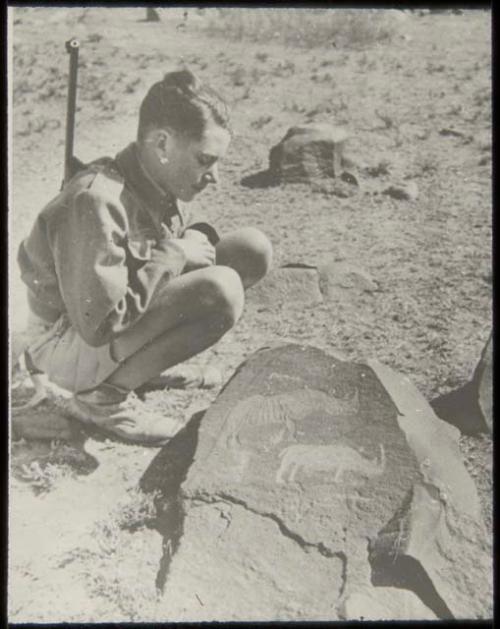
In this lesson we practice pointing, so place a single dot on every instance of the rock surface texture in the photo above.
(319, 489)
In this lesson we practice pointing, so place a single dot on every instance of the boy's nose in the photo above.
(212, 175)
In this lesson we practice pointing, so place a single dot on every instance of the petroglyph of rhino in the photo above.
(281, 413)
(336, 458)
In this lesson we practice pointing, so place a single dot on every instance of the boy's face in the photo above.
(193, 164)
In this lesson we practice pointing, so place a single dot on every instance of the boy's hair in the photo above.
(182, 103)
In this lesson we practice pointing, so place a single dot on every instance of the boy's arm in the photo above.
(105, 289)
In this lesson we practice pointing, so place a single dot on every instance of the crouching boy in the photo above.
(125, 283)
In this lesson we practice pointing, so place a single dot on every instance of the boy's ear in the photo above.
(161, 139)
(164, 138)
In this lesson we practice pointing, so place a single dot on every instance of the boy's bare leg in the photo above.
(191, 314)
(193, 311)
(247, 251)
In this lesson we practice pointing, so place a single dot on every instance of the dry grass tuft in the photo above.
(43, 478)
(311, 28)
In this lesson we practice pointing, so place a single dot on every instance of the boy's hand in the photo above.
(195, 234)
(199, 252)
(196, 246)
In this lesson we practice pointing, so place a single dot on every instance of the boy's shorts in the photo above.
(68, 361)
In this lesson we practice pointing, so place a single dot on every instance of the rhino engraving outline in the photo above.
(286, 410)
(249, 415)
(326, 458)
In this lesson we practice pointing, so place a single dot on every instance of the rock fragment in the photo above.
(335, 277)
(406, 192)
(470, 407)
(291, 284)
(483, 379)
(451, 132)
(308, 152)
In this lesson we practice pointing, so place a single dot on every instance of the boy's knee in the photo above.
(259, 249)
(222, 291)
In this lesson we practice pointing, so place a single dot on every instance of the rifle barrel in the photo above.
(72, 47)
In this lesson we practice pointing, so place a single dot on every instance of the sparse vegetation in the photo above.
(261, 121)
(41, 466)
(137, 511)
(238, 76)
(425, 164)
(340, 28)
(42, 478)
(380, 169)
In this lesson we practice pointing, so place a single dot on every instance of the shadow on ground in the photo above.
(262, 179)
(164, 476)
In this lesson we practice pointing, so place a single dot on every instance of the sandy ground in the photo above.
(418, 109)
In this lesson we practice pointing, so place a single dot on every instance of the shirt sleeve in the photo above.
(207, 229)
(104, 288)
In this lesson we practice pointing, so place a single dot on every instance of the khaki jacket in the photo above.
(102, 247)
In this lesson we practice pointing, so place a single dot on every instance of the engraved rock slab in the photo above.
(303, 450)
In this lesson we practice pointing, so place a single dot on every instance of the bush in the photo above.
(306, 28)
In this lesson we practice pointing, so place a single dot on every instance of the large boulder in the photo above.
(318, 489)
(308, 152)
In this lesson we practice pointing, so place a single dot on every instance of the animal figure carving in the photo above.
(259, 411)
(335, 458)
(281, 413)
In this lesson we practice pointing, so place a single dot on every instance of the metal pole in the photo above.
(72, 47)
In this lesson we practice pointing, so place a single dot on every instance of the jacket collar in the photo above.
(162, 205)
